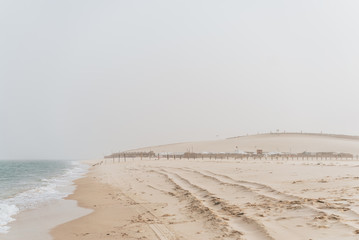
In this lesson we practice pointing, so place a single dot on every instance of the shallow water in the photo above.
(28, 184)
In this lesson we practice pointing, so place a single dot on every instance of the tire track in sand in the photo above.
(325, 214)
(324, 209)
(233, 215)
(145, 215)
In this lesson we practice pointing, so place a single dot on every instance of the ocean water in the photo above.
(28, 184)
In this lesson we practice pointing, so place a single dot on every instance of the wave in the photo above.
(49, 189)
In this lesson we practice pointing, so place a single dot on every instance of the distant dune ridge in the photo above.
(270, 142)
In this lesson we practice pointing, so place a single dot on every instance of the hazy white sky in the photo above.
(79, 79)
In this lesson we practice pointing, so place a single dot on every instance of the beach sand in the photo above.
(217, 199)
(223, 198)
(36, 223)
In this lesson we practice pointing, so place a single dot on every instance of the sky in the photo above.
(81, 79)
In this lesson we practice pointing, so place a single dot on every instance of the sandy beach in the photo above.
(250, 198)
(217, 199)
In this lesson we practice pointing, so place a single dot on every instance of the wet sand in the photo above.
(37, 223)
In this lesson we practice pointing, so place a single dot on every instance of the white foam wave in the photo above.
(49, 189)
(6, 213)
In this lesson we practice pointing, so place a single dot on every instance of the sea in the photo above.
(29, 184)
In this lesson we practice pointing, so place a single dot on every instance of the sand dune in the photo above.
(288, 142)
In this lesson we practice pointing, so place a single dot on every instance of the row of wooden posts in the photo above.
(190, 155)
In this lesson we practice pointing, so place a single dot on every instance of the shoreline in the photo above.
(36, 221)
(110, 210)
